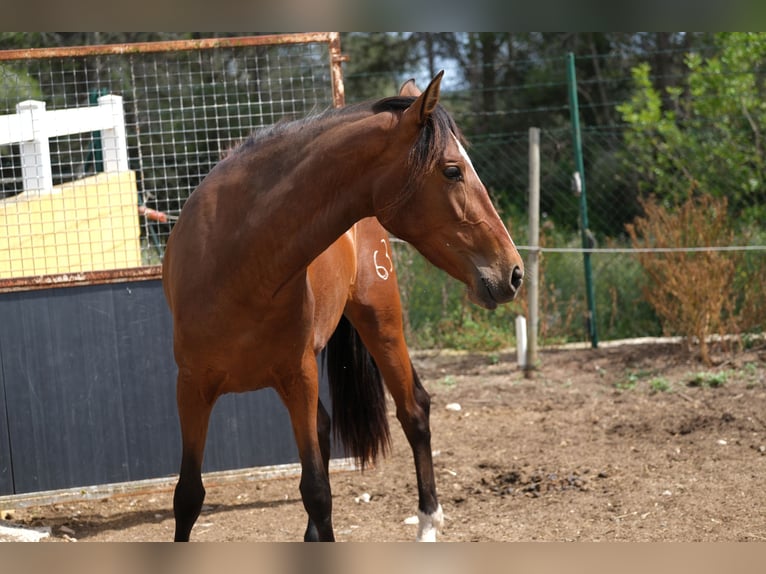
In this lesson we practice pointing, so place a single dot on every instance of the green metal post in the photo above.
(580, 188)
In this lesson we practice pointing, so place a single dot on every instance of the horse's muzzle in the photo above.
(491, 291)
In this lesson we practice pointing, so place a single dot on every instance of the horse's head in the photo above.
(445, 210)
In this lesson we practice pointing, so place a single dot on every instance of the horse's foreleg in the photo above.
(194, 414)
(323, 431)
(308, 418)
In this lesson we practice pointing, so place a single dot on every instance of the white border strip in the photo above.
(165, 483)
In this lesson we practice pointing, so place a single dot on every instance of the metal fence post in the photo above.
(580, 179)
(336, 59)
(533, 261)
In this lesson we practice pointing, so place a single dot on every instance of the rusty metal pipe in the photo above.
(166, 46)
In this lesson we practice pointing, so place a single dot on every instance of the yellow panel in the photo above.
(87, 225)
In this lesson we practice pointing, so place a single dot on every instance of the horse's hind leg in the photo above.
(194, 414)
(413, 404)
(416, 425)
(382, 334)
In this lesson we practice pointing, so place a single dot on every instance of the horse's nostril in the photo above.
(517, 275)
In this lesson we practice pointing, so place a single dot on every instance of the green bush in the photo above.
(439, 314)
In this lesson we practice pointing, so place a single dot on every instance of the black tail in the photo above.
(358, 399)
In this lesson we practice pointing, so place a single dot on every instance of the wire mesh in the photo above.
(525, 93)
(184, 108)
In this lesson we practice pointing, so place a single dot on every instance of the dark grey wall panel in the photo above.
(6, 474)
(88, 383)
(249, 429)
(63, 392)
(253, 429)
(147, 376)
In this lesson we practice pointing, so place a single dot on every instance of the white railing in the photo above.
(32, 126)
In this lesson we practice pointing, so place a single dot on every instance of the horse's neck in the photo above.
(302, 213)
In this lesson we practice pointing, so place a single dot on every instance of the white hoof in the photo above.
(429, 524)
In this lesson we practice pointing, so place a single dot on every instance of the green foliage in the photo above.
(439, 314)
(16, 85)
(642, 379)
(708, 379)
(706, 133)
(751, 270)
(628, 382)
(659, 385)
(622, 311)
(381, 62)
(701, 140)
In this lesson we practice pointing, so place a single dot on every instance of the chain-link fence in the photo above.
(65, 207)
(631, 154)
(185, 104)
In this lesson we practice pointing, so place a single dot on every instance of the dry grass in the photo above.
(693, 293)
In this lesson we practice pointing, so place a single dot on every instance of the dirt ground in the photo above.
(625, 443)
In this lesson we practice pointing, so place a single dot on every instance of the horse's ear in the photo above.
(409, 88)
(421, 109)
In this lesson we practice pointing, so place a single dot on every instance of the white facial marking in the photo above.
(470, 165)
(464, 153)
(383, 271)
(429, 524)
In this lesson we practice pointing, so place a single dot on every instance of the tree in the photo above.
(704, 134)
(379, 63)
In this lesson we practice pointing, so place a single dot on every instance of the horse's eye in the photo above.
(453, 172)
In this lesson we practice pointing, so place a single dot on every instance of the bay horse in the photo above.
(283, 249)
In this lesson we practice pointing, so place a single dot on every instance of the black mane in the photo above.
(429, 147)
(433, 138)
(285, 127)
(423, 157)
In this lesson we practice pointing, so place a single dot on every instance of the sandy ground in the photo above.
(628, 443)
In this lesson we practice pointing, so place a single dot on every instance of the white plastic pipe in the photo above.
(521, 340)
